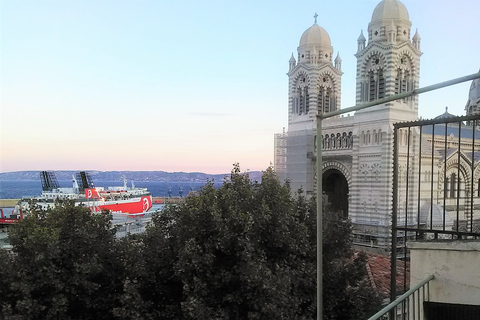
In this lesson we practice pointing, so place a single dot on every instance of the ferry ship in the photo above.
(118, 200)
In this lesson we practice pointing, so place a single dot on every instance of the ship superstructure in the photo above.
(118, 199)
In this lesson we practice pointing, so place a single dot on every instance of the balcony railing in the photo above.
(409, 305)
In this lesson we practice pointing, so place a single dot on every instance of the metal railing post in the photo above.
(319, 221)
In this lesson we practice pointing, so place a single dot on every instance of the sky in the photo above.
(191, 86)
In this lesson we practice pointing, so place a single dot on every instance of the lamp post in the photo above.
(319, 220)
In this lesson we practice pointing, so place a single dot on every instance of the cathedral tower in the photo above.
(314, 87)
(314, 81)
(387, 64)
(390, 63)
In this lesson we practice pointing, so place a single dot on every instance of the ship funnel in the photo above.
(49, 181)
(84, 181)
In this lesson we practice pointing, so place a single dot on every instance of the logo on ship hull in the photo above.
(145, 204)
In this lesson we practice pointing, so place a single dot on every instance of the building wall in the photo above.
(300, 162)
(454, 264)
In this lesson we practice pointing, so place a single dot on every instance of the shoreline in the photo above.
(8, 202)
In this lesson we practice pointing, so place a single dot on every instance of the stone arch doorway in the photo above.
(335, 187)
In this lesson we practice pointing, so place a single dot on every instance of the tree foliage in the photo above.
(67, 264)
(246, 250)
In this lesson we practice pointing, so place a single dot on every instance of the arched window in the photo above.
(397, 82)
(307, 101)
(321, 94)
(362, 91)
(372, 86)
(405, 83)
(301, 100)
(478, 188)
(446, 186)
(327, 100)
(368, 137)
(301, 97)
(453, 185)
(375, 137)
(381, 84)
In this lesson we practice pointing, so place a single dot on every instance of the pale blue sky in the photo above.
(187, 85)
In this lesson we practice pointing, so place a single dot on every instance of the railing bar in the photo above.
(409, 136)
(394, 304)
(407, 303)
(423, 297)
(453, 119)
(419, 179)
(401, 95)
(458, 179)
(428, 291)
(413, 304)
(402, 313)
(418, 304)
(435, 232)
(474, 126)
(445, 187)
(431, 182)
(393, 258)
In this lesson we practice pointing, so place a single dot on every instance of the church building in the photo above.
(357, 149)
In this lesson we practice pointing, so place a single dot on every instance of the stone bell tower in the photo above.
(387, 64)
(314, 86)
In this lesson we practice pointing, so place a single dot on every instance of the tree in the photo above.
(347, 290)
(67, 264)
(230, 253)
(347, 293)
(248, 251)
(8, 278)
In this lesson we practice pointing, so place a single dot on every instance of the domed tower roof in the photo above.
(315, 36)
(315, 46)
(473, 103)
(445, 115)
(390, 9)
(389, 16)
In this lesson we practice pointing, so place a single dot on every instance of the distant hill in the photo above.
(65, 175)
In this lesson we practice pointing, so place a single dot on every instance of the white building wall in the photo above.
(455, 265)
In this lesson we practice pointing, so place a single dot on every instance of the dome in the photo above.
(390, 9)
(445, 115)
(473, 102)
(315, 35)
(474, 94)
